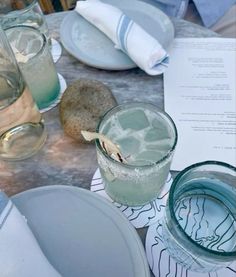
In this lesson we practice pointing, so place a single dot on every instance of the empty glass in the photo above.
(22, 131)
(199, 226)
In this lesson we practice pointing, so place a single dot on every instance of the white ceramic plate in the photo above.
(82, 234)
(92, 47)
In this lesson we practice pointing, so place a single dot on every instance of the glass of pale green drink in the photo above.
(36, 64)
(23, 12)
(147, 139)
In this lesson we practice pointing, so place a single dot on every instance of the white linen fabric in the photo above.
(20, 254)
(127, 36)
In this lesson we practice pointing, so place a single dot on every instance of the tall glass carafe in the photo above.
(22, 131)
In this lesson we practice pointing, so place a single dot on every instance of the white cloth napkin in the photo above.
(128, 36)
(20, 254)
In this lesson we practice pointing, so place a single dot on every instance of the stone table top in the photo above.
(63, 161)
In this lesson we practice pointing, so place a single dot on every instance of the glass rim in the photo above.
(171, 206)
(20, 11)
(167, 155)
(43, 37)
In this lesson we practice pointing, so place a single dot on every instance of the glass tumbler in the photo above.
(147, 138)
(199, 225)
(22, 131)
(23, 12)
(36, 63)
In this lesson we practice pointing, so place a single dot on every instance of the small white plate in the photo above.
(89, 45)
(81, 233)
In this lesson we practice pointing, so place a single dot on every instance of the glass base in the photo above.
(43, 101)
(22, 142)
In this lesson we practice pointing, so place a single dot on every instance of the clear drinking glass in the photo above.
(23, 12)
(22, 131)
(36, 63)
(199, 226)
(147, 138)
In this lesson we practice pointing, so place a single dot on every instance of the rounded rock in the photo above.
(82, 105)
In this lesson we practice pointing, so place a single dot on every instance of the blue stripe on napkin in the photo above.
(123, 28)
(3, 204)
(166, 60)
(163, 62)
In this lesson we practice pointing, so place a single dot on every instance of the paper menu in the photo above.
(200, 96)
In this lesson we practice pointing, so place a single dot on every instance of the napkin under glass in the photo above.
(20, 254)
(127, 35)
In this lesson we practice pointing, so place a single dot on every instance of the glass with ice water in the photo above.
(199, 226)
(36, 63)
(23, 12)
(147, 138)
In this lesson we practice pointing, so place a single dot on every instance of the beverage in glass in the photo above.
(36, 63)
(22, 131)
(147, 138)
(23, 12)
(199, 226)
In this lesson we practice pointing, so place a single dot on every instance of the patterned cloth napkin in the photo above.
(127, 35)
(20, 254)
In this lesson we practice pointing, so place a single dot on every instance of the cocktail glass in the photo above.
(36, 63)
(147, 138)
(23, 12)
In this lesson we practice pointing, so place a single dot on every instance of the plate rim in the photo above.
(87, 61)
(107, 67)
(78, 191)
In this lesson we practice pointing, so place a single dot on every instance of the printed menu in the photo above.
(200, 96)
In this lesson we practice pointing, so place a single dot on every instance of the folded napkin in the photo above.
(20, 254)
(128, 36)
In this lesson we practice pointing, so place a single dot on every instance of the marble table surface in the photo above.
(63, 161)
